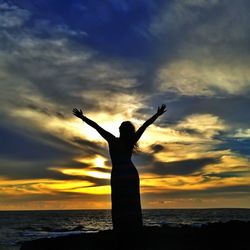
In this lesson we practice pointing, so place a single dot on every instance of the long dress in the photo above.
(125, 188)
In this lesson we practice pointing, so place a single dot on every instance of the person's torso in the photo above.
(120, 152)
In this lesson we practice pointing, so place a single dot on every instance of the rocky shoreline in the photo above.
(228, 235)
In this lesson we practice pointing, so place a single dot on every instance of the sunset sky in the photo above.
(119, 60)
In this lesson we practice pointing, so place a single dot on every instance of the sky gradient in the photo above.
(119, 60)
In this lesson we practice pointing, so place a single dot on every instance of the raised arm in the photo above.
(161, 110)
(105, 134)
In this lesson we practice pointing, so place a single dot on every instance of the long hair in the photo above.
(127, 134)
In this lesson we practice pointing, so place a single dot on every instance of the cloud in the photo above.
(242, 133)
(156, 148)
(186, 167)
(56, 73)
(229, 174)
(211, 48)
(11, 16)
(207, 125)
(232, 109)
(66, 70)
(192, 55)
(20, 146)
(209, 78)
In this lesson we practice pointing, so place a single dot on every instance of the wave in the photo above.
(78, 228)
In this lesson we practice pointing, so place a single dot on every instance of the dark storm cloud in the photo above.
(23, 157)
(40, 170)
(233, 109)
(73, 164)
(147, 163)
(90, 147)
(18, 143)
(28, 170)
(185, 167)
(156, 148)
(229, 174)
(143, 159)
(45, 110)
(22, 147)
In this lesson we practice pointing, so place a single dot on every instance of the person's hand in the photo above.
(77, 113)
(161, 110)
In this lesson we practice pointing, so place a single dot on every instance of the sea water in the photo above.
(18, 226)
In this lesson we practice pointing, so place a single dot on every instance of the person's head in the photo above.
(127, 133)
(127, 129)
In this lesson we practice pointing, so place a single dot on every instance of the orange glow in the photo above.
(98, 190)
(83, 172)
(95, 161)
(92, 170)
(177, 144)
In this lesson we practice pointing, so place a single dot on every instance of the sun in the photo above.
(100, 162)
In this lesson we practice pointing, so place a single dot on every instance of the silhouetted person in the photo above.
(125, 183)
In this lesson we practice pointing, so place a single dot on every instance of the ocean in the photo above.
(18, 226)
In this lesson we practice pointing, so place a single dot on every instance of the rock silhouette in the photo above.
(218, 236)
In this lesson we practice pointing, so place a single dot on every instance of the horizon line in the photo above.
(109, 209)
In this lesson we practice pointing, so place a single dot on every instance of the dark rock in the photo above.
(229, 235)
